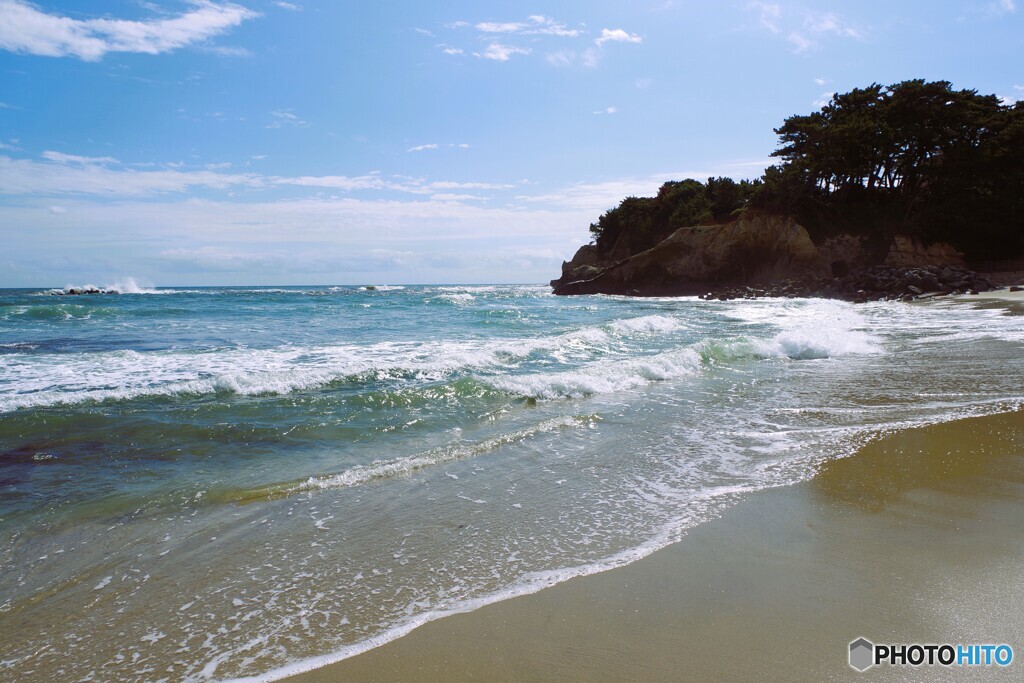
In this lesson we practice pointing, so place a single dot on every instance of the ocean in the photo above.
(218, 483)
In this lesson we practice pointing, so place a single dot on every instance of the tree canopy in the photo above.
(916, 157)
(645, 221)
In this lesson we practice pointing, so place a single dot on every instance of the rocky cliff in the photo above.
(754, 249)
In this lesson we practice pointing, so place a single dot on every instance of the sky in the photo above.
(263, 142)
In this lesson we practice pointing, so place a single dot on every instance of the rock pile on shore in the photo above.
(868, 284)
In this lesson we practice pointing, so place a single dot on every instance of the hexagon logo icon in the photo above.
(862, 654)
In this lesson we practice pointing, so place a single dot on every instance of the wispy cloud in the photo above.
(61, 158)
(285, 117)
(289, 6)
(60, 174)
(804, 30)
(1004, 7)
(536, 24)
(607, 110)
(499, 38)
(502, 53)
(769, 15)
(422, 148)
(29, 30)
(617, 35)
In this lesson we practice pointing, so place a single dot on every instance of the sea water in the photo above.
(217, 483)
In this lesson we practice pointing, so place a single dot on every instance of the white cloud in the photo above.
(63, 174)
(770, 13)
(1010, 100)
(288, 5)
(561, 58)
(501, 53)
(1004, 7)
(449, 50)
(330, 182)
(536, 24)
(427, 240)
(803, 30)
(830, 23)
(61, 158)
(607, 110)
(549, 27)
(58, 210)
(800, 42)
(643, 83)
(27, 29)
(492, 27)
(450, 197)
(590, 57)
(820, 81)
(422, 148)
(424, 32)
(281, 118)
(452, 185)
(826, 98)
(617, 35)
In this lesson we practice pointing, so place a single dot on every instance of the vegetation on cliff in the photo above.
(916, 158)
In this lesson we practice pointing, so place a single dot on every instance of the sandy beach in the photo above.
(916, 538)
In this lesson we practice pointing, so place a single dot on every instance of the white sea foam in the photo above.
(51, 379)
(587, 360)
(386, 469)
(601, 377)
(815, 328)
(710, 502)
(647, 324)
(458, 298)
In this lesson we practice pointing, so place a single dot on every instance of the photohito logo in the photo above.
(864, 654)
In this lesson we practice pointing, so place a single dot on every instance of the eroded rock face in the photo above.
(583, 266)
(751, 249)
(755, 249)
(909, 253)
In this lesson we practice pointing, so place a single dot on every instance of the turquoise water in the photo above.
(214, 483)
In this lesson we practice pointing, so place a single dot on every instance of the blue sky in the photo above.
(343, 142)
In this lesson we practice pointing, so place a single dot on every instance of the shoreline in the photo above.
(892, 543)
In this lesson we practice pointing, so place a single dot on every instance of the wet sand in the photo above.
(917, 538)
